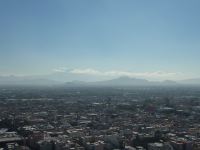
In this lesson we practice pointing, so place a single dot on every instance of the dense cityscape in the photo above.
(99, 118)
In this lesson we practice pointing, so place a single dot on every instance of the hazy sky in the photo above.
(104, 36)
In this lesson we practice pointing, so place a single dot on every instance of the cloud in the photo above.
(87, 71)
(60, 69)
(117, 73)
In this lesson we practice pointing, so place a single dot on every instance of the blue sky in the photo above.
(137, 36)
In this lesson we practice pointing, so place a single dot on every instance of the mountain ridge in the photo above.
(123, 81)
(120, 81)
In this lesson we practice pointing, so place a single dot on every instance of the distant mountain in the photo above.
(123, 81)
(77, 83)
(169, 82)
(66, 80)
(26, 80)
(195, 81)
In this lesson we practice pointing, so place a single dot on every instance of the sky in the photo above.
(138, 38)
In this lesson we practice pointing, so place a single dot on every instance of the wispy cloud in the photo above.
(60, 69)
(117, 73)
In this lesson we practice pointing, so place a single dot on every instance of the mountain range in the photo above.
(121, 81)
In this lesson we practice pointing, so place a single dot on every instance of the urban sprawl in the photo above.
(110, 118)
